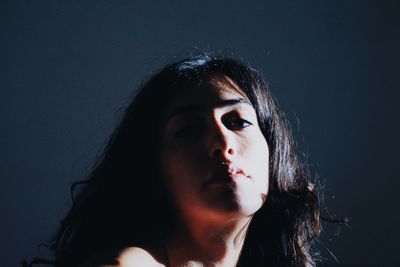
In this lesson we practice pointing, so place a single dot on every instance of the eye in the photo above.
(190, 131)
(236, 123)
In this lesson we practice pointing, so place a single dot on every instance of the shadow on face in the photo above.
(214, 155)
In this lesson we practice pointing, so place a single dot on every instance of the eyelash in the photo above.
(240, 120)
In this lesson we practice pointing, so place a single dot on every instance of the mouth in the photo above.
(227, 174)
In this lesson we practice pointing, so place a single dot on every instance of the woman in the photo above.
(202, 171)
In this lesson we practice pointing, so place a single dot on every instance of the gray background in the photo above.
(67, 67)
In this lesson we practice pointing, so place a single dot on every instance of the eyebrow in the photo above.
(199, 108)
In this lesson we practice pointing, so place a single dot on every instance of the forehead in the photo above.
(216, 88)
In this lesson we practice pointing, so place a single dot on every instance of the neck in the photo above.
(207, 243)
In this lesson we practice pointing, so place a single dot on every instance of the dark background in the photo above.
(67, 67)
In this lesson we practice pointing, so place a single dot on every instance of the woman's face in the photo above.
(214, 156)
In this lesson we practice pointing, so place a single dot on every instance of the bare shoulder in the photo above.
(135, 256)
(126, 257)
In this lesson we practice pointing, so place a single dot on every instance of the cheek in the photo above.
(182, 173)
(263, 157)
(172, 168)
(257, 158)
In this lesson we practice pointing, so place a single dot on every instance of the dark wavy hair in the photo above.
(124, 203)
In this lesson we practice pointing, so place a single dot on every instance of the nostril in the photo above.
(223, 153)
(217, 152)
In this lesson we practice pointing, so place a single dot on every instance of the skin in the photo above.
(214, 159)
(209, 129)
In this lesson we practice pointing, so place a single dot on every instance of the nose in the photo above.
(223, 145)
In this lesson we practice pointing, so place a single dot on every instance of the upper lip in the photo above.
(227, 172)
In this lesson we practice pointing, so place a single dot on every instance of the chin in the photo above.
(235, 201)
(240, 207)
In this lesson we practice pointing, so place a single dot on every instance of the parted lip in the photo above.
(226, 173)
